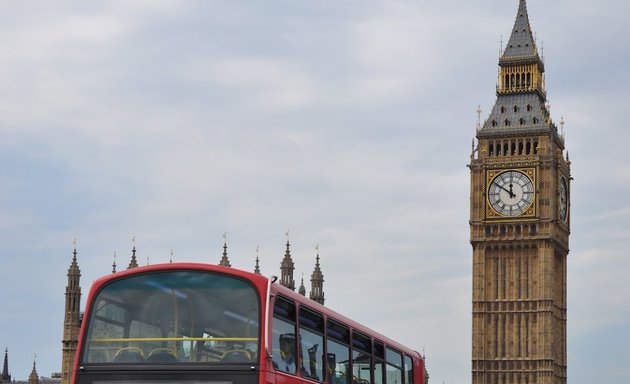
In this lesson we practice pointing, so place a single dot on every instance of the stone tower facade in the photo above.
(519, 226)
(317, 283)
(71, 322)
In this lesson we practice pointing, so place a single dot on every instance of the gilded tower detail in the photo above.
(71, 322)
(519, 226)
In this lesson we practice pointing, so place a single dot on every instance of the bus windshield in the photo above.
(189, 317)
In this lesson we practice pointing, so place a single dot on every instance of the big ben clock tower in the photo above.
(519, 226)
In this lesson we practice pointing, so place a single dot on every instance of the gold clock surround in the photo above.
(529, 212)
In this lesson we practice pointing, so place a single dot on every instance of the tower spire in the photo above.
(6, 377)
(317, 281)
(71, 321)
(33, 378)
(257, 266)
(521, 43)
(224, 260)
(287, 267)
(134, 262)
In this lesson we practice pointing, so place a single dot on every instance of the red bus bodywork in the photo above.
(268, 291)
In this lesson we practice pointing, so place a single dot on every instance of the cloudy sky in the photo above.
(348, 122)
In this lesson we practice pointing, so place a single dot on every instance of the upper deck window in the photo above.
(174, 316)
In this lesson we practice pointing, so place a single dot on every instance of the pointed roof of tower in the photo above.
(521, 107)
(521, 43)
(6, 377)
(134, 262)
(302, 289)
(224, 260)
(317, 282)
(286, 269)
(74, 265)
(33, 378)
(257, 266)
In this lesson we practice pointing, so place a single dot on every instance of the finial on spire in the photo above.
(114, 264)
(478, 117)
(171, 259)
(562, 126)
(287, 235)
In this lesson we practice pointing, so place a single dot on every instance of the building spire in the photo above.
(302, 289)
(224, 260)
(521, 43)
(287, 267)
(317, 282)
(257, 266)
(521, 107)
(134, 262)
(6, 377)
(33, 378)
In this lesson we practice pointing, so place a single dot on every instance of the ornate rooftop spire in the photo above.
(6, 377)
(224, 260)
(302, 289)
(521, 107)
(287, 267)
(134, 262)
(33, 378)
(257, 266)
(317, 282)
(521, 43)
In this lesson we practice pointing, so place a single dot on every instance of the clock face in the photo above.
(563, 206)
(511, 193)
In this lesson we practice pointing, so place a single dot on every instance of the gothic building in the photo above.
(73, 300)
(519, 226)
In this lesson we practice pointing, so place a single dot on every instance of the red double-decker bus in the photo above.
(188, 323)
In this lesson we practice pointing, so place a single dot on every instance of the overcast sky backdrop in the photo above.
(349, 122)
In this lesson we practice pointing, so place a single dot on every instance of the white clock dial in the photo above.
(511, 193)
(563, 207)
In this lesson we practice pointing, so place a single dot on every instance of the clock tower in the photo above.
(519, 226)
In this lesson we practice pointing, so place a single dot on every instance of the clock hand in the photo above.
(512, 195)
(511, 191)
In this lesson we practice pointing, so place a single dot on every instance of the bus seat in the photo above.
(129, 355)
(237, 356)
(162, 355)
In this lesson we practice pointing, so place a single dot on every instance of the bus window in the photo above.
(394, 366)
(173, 316)
(338, 354)
(408, 370)
(361, 359)
(284, 346)
(379, 362)
(311, 346)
